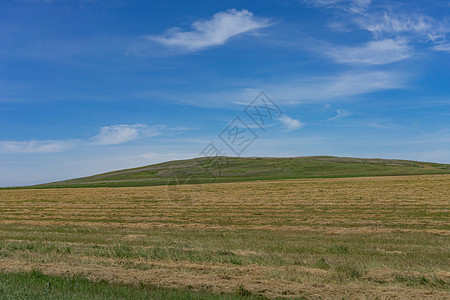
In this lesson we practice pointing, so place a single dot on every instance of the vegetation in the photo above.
(35, 285)
(305, 238)
(235, 169)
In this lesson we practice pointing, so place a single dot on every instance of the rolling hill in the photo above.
(232, 169)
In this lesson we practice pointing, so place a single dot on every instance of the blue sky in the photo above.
(92, 85)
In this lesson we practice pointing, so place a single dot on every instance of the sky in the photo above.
(91, 86)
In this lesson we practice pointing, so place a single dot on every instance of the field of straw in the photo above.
(352, 238)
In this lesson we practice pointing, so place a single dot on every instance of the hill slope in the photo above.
(230, 169)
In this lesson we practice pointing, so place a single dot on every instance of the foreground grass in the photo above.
(35, 285)
(314, 238)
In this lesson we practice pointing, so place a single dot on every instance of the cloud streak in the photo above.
(214, 32)
(341, 113)
(35, 146)
(354, 6)
(313, 89)
(330, 88)
(119, 134)
(373, 53)
(108, 135)
(442, 47)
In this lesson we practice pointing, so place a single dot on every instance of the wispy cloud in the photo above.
(388, 25)
(290, 123)
(341, 113)
(35, 146)
(418, 27)
(214, 32)
(109, 135)
(347, 5)
(333, 88)
(118, 134)
(442, 47)
(165, 156)
(373, 53)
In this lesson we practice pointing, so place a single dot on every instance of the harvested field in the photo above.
(357, 238)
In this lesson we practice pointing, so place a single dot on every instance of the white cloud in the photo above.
(118, 134)
(34, 146)
(341, 113)
(373, 53)
(290, 123)
(214, 32)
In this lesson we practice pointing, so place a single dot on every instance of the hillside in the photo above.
(232, 169)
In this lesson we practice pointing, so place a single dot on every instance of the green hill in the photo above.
(231, 169)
